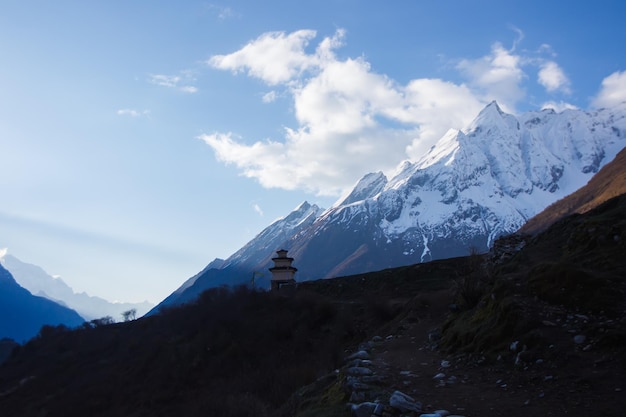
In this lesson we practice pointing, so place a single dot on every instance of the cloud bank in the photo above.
(352, 120)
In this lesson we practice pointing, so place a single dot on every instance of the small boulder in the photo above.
(365, 409)
(361, 354)
(359, 370)
(404, 403)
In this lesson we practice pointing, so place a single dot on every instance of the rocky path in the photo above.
(404, 373)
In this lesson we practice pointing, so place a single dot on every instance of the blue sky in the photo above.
(141, 139)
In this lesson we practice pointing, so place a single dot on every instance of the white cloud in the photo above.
(351, 120)
(222, 12)
(188, 89)
(612, 91)
(257, 209)
(558, 107)
(552, 77)
(497, 76)
(269, 97)
(133, 112)
(276, 57)
(178, 82)
(3, 252)
(519, 39)
(165, 80)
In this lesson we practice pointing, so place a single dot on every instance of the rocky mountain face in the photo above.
(249, 264)
(22, 314)
(472, 187)
(40, 283)
(609, 182)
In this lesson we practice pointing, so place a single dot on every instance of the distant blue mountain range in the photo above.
(22, 314)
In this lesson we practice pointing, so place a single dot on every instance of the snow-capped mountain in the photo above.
(473, 186)
(40, 283)
(470, 188)
(250, 262)
(263, 246)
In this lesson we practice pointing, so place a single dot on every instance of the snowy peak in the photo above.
(370, 185)
(473, 186)
(488, 179)
(492, 120)
(300, 214)
(249, 262)
(445, 148)
(535, 149)
(274, 236)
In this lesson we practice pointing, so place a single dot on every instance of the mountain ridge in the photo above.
(36, 280)
(246, 264)
(22, 314)
(609, 182)
(473, 186)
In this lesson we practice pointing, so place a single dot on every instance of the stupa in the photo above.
(282, 271)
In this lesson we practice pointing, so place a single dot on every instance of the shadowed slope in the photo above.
(609, 182)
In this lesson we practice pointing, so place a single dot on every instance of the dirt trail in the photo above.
(579, 384)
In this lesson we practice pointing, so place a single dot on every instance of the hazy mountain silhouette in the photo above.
(22, 314)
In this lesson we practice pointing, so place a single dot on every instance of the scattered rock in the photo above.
(357, 397)
(379, 410)
(404, 403)
(373, 379)
(361, 354)
(354, 384)
(360, 362)
(359, 370)
(365, 409)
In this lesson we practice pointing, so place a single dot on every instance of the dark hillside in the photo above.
(233, 353)
(577, 264)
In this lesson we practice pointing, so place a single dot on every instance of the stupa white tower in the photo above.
(282, 271)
